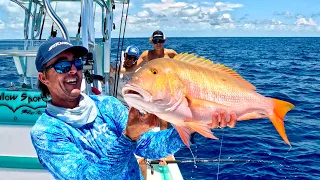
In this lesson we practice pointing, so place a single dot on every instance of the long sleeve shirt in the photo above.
(98, 150)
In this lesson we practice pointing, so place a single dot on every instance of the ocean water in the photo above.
(282, 68)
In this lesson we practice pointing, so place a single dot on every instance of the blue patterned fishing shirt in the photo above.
(98, 150)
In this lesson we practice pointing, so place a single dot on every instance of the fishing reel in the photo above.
(88, 68)
(88, 61)
(148, 163)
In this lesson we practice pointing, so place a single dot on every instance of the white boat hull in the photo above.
(16, 144)
(19, 174)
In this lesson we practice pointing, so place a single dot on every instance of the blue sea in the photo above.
(282, 68)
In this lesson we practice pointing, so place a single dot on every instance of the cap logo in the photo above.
(58, 44)
(134, 50)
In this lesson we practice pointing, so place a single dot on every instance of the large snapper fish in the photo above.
(186, 90)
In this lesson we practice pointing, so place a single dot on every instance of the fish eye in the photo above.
(153, 71)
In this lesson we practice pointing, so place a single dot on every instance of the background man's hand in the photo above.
(162, 162)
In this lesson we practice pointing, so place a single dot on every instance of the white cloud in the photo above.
(16, 26)
(176, 15)
(225, 26)
(224, 22)
(272, 27)
(227, 6)
(194, 11)
(304, 22)
(264, 25)
(143, 14)
(225, 18)
(182, 15)
(69, 13)
(12, 20)
(167, 7)
(9, 7)
(249, 26)
(286, 14)
(171, 15)
(1, 25)
(275, 22)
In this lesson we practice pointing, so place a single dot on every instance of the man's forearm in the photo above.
(155, 145)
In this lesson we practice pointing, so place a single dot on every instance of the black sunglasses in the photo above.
(156, 41)
(65, 66)
(132, 57)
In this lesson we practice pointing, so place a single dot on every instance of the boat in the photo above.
(20, 107)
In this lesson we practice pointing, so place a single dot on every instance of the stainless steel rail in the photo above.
(56, 19)
(22, 53)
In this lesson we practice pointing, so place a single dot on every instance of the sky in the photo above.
(187, 18)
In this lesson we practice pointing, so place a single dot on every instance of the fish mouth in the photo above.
(134, 91)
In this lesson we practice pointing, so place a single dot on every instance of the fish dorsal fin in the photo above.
(192, 58)
(201, 61)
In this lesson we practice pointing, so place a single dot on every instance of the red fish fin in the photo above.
(202, 129)
(184, 133)
(252, 115)
(280, 110)
(198, 103)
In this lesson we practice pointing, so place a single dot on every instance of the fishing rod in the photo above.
(150, 163)
(210, 160)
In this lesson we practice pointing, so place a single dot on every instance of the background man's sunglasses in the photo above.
(132, 57)
(156, 41)
(64, 66)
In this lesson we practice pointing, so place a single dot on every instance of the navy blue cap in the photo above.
(132, 51)
(53, 47)
(158, 35)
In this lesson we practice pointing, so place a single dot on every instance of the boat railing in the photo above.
(21, 53)
(55, 18)
(35, 12)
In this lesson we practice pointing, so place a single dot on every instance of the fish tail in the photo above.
(277, 117)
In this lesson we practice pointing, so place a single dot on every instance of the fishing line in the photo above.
(194, 158)
(220, 154)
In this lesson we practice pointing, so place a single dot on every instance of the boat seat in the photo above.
(24, 61)
(26, 65)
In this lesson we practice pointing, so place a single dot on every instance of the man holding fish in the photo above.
(96, 137)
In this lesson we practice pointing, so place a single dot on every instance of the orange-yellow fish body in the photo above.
(186, 90)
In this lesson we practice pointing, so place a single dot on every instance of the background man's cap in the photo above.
(158, 35)
(132, 51)
(53, 47)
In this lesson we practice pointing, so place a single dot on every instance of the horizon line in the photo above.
(197, 37)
